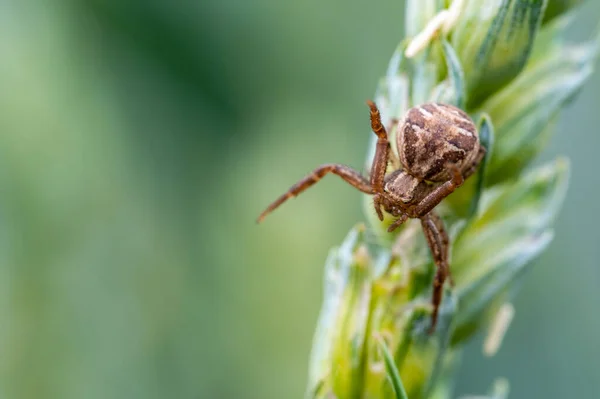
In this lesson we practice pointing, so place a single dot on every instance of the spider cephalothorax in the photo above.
(438, 148)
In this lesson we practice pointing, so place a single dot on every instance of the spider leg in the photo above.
(382, 149)
(351, 176)
(380, 160)
(439, 193)
(445, 241)
(397, 223)
(377, 201)
(435, 240)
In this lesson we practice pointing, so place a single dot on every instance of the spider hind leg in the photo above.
(438, 242)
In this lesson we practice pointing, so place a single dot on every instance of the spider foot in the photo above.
(377, 205)
(397, 223)
(434, 319)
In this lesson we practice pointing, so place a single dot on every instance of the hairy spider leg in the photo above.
(435, 240)
(445, 240)
(349, 175)
(380, 159)
(397, 223)
(439, 193)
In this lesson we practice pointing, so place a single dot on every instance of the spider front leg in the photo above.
(351, 176)
(381, 158)
(438, 242)
(439, 193)
(355, 179)
(398, 222)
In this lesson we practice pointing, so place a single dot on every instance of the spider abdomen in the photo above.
(432, 136)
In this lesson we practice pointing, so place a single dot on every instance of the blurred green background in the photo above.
(138, 142)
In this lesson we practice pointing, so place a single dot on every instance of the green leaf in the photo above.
(486, 137)
(509, 264)
(395, 66)
(522, 112)
(418, 14)
(407, 334)
(512, 229)
(558, 7)
(392, 371)
(493, 40)
(339, 339)
(443, 333)
(425, 75)
(455, 94)
(551, 37)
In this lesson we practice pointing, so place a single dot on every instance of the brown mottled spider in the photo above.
(439, 148)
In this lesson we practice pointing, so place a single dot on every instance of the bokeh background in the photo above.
(138, 142)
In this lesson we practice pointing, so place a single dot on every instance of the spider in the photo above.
(439, 147)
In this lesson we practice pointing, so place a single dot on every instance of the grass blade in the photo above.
(486, 136)
(392, 371)
(455, 73)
